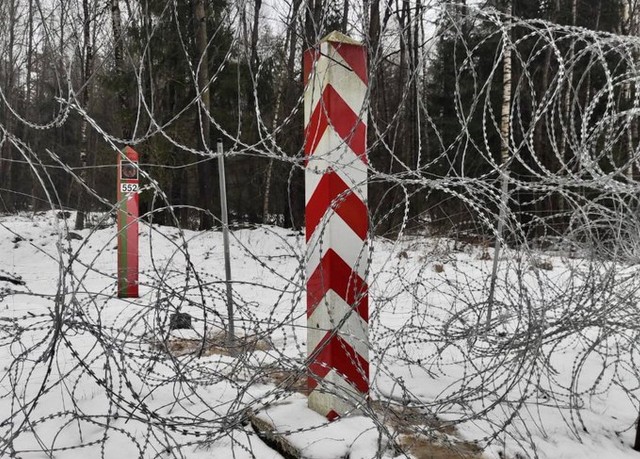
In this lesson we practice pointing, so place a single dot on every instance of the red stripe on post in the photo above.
(355, 56)
(332, 415)
(336, 354)
(332, 194)
(333, 273)
(333, 111)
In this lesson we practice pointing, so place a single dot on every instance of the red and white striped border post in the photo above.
(128, 210)
(335, 76)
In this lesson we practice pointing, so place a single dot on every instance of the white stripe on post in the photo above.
(336, 224)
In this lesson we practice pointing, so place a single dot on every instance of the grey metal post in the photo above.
(504, 204)
(225, 241)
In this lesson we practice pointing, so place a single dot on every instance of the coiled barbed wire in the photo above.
(84, 370)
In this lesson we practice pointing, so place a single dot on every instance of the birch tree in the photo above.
(505, 132)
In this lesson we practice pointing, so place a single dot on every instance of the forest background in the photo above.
(80, 79)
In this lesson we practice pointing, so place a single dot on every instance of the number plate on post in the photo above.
(128, 187)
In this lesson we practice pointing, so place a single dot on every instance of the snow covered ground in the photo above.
(84, 373)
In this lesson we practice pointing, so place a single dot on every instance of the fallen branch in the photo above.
(12, 280)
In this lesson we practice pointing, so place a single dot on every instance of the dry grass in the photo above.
(541, 263)
(424, 448)
(442, 442)
(288, 379)
(213, 344)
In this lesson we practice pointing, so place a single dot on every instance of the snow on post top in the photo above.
(339, 37)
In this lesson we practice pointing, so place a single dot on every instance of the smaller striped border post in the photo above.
(128, 215)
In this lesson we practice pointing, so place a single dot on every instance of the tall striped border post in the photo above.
(337, 224)
(128, 209)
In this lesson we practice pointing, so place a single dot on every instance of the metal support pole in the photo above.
(636, 444)
(504, 204)
(225, 240)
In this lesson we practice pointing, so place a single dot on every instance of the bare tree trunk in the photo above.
(345, 17)
(588, 85)
(118, 56)
(85, 98)
(634, 30)
(312, 23)
(379, 104)
(569, 77)
(374, 25)
(631, 101)
(205, 169)
(546, 156)
(290, 44)
(35, 200)
(6, 150)
(254, 33)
